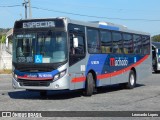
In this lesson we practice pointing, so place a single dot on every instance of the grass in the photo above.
(5, 71)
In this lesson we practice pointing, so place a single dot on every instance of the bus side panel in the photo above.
(122, 78)
(103, 82)
(121, 65)
(144, 70)
(107, 72)
(77, 74)
(117, 69)
(99, 64)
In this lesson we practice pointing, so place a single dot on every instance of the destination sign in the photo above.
(41, 24)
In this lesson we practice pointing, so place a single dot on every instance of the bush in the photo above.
(3, 39)
(5, 71)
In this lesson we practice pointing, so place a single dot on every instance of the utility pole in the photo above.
(30, 12)
(25, 5)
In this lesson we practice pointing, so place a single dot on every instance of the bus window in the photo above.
(80, 50)
(25, 45)
(106, 42)
(117, 42)
(137, 43)
(146, 44)
(93, 41)
(127, 43)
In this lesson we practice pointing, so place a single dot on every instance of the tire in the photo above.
(131, 80)
(90, 85)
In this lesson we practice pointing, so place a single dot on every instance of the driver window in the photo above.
(80, 50)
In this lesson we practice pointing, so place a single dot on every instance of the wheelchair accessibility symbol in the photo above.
(38, 59)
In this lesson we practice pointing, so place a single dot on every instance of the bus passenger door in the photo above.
(76, 59)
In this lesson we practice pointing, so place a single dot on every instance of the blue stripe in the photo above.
(38, 74)
(109, 27)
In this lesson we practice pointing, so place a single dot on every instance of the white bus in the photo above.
(65, 54)
(156, 56)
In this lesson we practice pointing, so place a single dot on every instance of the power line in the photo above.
(125, 19)
(120, 9)
(11, 6)
(91, 16)
(113, 9)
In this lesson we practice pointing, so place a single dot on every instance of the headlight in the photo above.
(62, 73)
(59, 75)
(15, 76)
(56, 77)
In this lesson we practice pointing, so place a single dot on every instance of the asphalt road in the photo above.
(145, 97)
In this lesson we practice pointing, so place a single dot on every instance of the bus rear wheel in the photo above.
(131, 80)
(90, 85)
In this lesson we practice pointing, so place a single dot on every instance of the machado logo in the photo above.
(118, 62)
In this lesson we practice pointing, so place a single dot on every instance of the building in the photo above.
(9, 38)
(6, 52)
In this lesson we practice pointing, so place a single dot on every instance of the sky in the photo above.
(141, 15)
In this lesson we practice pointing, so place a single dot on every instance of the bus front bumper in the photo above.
(60, 84)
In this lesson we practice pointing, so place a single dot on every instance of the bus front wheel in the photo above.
(132, 80)
(90, 85)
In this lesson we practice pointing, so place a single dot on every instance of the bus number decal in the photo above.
(94, 62)
(21, 59)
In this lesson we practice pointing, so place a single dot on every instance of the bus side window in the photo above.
(137, 41)
(146, 44)
(128, 43)
(106, 42)
(117, 42)
(93, 41)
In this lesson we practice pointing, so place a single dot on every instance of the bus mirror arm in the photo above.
(75, 42)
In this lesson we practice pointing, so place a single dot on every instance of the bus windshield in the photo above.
(41, 47)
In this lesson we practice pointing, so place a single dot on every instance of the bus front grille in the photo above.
(34, 83)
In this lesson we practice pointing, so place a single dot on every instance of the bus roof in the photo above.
(96, 24)
(106, 25)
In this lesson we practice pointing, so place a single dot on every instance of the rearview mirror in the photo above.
(75, 42)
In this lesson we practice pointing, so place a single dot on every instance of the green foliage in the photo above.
(3, 39)
(3, 32)
(156, 38)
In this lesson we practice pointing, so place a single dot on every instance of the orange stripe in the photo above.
(107, 75)
(78, 79)
(32, 78)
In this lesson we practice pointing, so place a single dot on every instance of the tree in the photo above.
(156, 38)
(3, 39)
